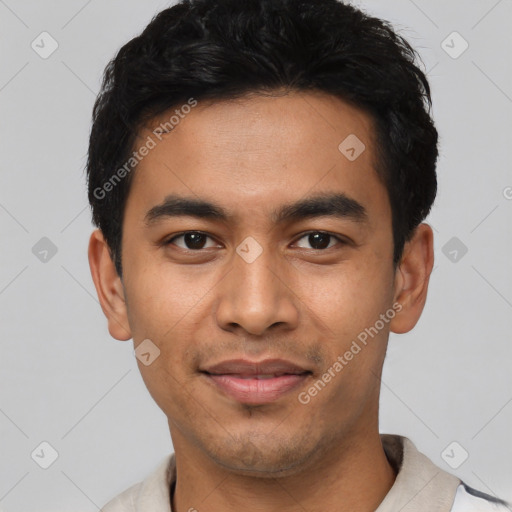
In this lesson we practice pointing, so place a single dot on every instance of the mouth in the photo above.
(256, 382)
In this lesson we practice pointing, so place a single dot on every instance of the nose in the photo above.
(256, 296)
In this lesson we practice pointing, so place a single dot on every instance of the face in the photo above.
(249, 236)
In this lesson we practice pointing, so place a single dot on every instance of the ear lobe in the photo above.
(412, 277)
(109, 287)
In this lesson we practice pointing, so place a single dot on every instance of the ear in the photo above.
(109, 287)
(412, 277)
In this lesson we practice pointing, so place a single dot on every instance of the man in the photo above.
(259, 172)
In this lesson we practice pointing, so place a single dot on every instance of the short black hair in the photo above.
(225, 49)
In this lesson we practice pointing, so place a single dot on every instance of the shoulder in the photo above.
(152, 494)
(124, 502)
(421, 485)
(468, 499)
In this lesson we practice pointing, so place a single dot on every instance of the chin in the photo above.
(260, 457)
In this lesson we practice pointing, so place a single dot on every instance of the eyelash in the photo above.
(303, 235)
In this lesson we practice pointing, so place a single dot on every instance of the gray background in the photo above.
(63, 380)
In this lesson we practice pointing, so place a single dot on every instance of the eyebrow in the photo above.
(337, 205)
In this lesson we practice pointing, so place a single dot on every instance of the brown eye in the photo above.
(193, 240)
(319, 240)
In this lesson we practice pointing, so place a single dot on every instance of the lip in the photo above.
(256, 382)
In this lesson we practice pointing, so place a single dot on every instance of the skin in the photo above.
(295, 302)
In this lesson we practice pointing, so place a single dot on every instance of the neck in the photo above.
(355, 477)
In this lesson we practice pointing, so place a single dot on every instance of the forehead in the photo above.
(257, 152)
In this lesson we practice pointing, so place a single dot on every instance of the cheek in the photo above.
(160, 298)
(163, 307)
(346, 301)
(168, 388)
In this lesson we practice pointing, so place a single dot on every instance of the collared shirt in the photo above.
(420, 486)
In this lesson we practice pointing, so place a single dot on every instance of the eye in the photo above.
(319, 240)
(193, 240)
(196, 240)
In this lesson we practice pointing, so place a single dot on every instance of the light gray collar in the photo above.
(420, 485)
